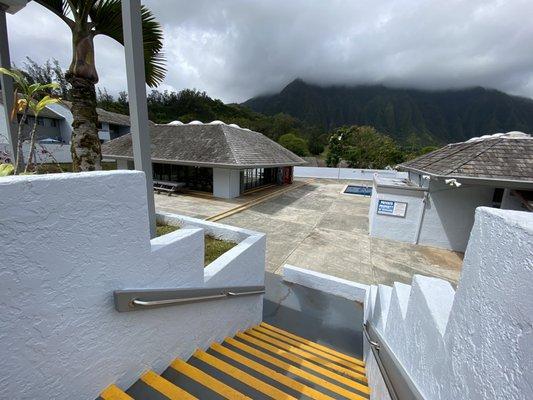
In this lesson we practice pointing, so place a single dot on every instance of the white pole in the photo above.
(7, 88)
(140, 133)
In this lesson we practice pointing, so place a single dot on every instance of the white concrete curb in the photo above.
(315, 280)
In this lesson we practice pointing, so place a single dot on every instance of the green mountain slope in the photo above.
(405, 114)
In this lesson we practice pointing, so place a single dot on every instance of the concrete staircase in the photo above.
(264, 362)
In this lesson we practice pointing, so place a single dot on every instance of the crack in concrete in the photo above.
(280, 302)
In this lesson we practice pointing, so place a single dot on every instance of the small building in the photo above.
(435, 205)
(217, 158)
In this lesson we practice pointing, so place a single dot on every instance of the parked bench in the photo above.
(168, 187)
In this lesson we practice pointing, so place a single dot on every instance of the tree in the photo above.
(294, 143)
(28, 97)
(87, 19)
(362, 147)
(50, 71)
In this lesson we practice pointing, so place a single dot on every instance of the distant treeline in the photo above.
(362, 147)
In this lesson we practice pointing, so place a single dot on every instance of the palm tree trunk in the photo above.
(85, 144)
(82, 75)
(19, 157)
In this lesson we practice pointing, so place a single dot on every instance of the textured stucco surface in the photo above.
(475, 343)
(67, 241)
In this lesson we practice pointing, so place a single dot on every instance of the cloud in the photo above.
(235, 49)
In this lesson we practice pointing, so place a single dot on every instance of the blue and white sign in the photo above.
(393, 208)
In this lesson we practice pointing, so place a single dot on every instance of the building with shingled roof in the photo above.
(225, 160)
(435, 206)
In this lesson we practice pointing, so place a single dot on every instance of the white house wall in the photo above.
(449, 214)
(226, 183)
(402, 229)
(68, 241)
(65, 126)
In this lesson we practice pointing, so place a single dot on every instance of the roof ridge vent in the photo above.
(508, 135)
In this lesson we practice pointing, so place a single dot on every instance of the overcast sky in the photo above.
(236, 49)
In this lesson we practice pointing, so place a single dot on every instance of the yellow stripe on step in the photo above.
(310, 349)
(165, 387)
(302, 373)
(302, 362)
(313, 344)
(208, 381)
(307, 355)
(242, 376)
(112, 392)
(291, 383)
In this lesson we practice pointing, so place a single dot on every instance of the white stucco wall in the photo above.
(226, 183)
(345, 173)
(475, 343)
(449, 214)
(402, 229)
(67, 241)
(325, 283)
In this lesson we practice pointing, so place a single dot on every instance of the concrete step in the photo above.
(264, 362)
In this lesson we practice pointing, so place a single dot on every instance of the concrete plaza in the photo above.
(318, 228)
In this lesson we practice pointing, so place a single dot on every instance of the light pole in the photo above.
(140, 133)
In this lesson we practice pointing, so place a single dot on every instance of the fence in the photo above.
(346, 173)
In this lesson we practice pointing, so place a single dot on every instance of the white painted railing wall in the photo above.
(346, 173)
(473, 343)
(67, 242)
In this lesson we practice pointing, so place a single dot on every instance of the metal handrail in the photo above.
(398, 382)
(132, 300)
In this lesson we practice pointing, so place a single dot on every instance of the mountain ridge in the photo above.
(426, 116)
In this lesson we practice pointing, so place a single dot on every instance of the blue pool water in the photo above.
(361, 190)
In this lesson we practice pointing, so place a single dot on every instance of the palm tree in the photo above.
(86, 19)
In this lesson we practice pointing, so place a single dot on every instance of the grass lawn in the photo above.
(214, 248)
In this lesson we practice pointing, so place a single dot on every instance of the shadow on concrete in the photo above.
(318, 316)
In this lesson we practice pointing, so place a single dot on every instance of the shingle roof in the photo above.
(504, 157)
(207, 144)
(106, 116)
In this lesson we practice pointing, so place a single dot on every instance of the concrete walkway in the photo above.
(318, 228)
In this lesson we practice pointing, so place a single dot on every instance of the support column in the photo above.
(7, 88)
(140, 133)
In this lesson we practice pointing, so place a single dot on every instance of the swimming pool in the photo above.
(360, 190)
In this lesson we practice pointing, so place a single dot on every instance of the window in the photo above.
(53, 123)
(252, 178)
(40, 121)
(195, 178)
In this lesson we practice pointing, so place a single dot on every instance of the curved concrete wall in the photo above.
(475, 343)
(67, 242)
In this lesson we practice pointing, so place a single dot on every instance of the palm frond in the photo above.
(61, 8)
(106, 16)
